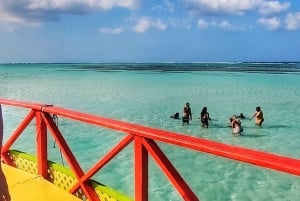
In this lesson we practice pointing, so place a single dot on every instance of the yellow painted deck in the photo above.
(24, 186)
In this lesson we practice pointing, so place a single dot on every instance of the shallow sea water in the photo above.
(149, 97)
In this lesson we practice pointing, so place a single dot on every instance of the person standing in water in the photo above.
(259, 116)
(187, 114)
(204, 117)
(236, 125)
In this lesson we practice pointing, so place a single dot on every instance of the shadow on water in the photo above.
(251, 135)
(264, 127)
(219, 126)
(276, 126)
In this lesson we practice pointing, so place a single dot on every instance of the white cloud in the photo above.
(33, 12)
(220, 7)
(69, 4)
(271, 7)
(292, 21)
(142, 25)
(223, 24)
(169, 5)
(145, 23)
(10, 22)
(185, 23)
(234, 7)
(111, 30)
(273, 23)
(158, 24)
(202, 24)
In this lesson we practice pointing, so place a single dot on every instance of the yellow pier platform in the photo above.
(24, 186)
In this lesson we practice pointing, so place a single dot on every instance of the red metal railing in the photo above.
(144, 139)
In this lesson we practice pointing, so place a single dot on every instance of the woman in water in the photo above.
(236, 125)
(204, 116)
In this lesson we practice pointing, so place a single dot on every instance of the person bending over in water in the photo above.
(204, 116)
(187, 114)
(236, 125)
(259, 116)
(241, 116)
(175, 116)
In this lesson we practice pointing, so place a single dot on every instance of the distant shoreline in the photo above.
(247, 67)
(165, 62)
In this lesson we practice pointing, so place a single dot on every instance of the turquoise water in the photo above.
(148, 95)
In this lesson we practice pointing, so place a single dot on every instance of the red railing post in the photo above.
(162, 160)
(41, 140)
(140, 170)
(70, 158)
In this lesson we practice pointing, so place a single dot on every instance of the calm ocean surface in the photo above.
(148, 94)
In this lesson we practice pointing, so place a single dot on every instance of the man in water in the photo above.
(259, 116)
(187, 114)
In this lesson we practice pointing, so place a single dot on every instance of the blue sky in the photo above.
(149, 31)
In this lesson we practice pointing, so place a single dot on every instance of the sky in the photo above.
(149, 31)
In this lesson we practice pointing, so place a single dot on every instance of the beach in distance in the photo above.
(148, 93)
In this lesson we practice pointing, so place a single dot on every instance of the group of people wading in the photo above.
(234, 121)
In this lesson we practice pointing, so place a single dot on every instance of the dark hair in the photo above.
(204, 110)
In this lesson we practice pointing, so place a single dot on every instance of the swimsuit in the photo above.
(237, 129)
(204, 119)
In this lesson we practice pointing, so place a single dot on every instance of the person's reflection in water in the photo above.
(4, 193)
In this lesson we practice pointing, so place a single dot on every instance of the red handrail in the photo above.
(144, 139)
